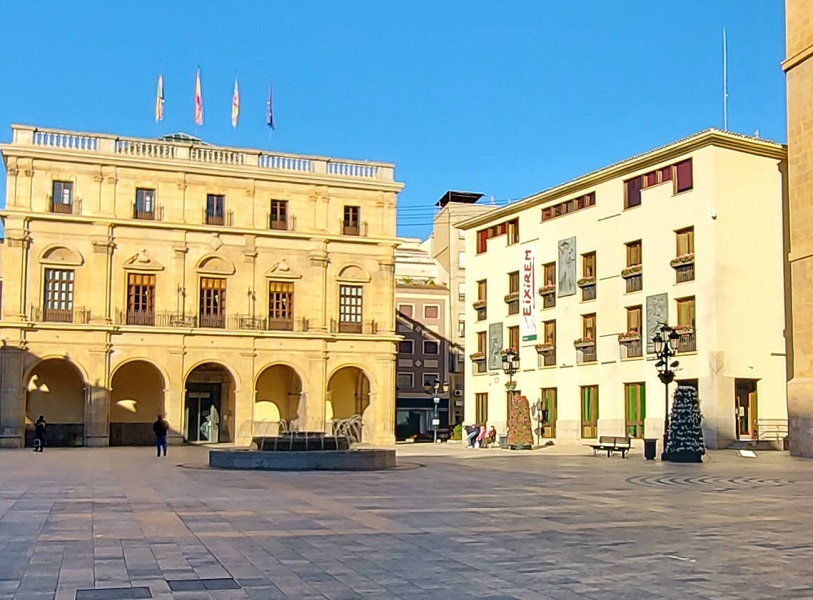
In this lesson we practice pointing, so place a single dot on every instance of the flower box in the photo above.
(683, 329)
(547, 289)
(505, 351)
(630, 336)
(631, 271)
(510, 385)
(545, 348)
(479, 304)
(584, 343)
(585, 281)
(683, 259)
(477, 356)
(511, 297)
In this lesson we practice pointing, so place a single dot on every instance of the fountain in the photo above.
(292, 450)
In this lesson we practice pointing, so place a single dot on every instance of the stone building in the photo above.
(579, 277)
(236, 291)
(798, 67)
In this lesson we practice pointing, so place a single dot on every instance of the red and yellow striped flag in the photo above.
(198, 100)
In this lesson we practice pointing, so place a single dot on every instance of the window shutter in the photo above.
(684, 176)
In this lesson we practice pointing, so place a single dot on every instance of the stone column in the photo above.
(314, 396)
(320, 259)
(97, 415)
(382, 401)
(15, 274)
(12, 397)
(174, 396)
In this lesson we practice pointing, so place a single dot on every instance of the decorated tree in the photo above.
(520, 435)
(685, 443)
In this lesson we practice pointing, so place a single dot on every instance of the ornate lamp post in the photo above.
(666, 343)
(435, 389)
(510, 364)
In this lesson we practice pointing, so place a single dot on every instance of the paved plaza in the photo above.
(448, 523)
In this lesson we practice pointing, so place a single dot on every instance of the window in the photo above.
(482, 293)
(548, 416)
(215, 205)
(144, 207)
(406, 380)
(350, 308)
(630, 341)
(547, 357)
(569, 206)
(685, 241)
(431, 311)
(513, 231)
(62, 197)
(58, 295)
(634, 319)
(549, 284)
(481, 408)
(405, 346)
(588, 280)
(635, 397)
(482, 241)
(683, 176)
(586, 350)
(431, 347)
(461, 325)
(481, 341)
(684, 261)
(212, 302)
(461, 260)
(405, 309)
(632, 192)
(513, 337)
(686, 325)
(589, 406)
(279, 214)
(140, 299)
(281, 305)
(429, 379)
(589, 326)
(351, 224)
(634, 254)
(512, 298)
(480, 366)
(632, 273)
(461, 291)
(692, 383)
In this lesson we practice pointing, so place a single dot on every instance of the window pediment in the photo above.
(212, 264)
(353, 274)
(60, 255)
(143, 262)
(282, 271)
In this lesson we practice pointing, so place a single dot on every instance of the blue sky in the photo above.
(504, 98)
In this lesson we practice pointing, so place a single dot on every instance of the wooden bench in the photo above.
(612, 444)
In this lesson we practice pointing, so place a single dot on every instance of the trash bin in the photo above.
(649, 448)
(504, 441)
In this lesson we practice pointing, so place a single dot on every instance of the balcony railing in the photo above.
(226, 219)
(214, 321)
(688, 340)
(233, 322)
(135, 317)
(76, 315)
(279, 224)
(369, 327)
(684, 273)
(351, 229)
(168, 151)
(631, 348)
(586, 354)
(155, 214)
(635, 283)
(72, 208)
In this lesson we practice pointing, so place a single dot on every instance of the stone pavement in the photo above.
(449, 523)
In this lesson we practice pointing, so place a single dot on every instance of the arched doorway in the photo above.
(209, 404)
(56, 390)
(277, 400)
(136, 398)
(348, 396)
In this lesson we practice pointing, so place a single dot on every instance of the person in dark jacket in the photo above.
(160, 429)
(39, 434)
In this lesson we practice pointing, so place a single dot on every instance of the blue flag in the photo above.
(269, 112)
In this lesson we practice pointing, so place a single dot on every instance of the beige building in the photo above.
(235, 290)
(579, 277)
(799, 68)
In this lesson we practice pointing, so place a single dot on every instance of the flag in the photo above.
(269, 113)
(235, 105)
(198, 100)
(159, 100)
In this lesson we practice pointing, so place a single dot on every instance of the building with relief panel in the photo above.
(578, 278)
(236, 291)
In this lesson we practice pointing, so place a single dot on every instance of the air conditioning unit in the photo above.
(458, 393)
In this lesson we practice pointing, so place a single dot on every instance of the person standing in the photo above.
(160, 428)
(39, 434)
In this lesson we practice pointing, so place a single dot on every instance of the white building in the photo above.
(690, 235)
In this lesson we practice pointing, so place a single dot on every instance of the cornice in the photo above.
(640, 162)
(797, 58)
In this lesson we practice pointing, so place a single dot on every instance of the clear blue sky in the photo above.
(505, 98)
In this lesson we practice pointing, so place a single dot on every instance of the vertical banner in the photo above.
(527, 299)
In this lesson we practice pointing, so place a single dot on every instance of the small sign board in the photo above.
(435, 422)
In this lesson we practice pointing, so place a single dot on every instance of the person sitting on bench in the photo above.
(481, 436)
(491, 437)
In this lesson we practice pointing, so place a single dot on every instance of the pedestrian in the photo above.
(471, 434)
(39, 434)
(160, 428)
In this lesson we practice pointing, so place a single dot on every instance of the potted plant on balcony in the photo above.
(475, 356)
(545, 348)
(630, 336)
(549, 288)
(479, 304)
(631, 271)
(683, 329)
(585, 281)
(683, 259)
(584, 342)
(511, 297)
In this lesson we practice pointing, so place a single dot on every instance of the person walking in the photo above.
(160, 429)
(39, 434)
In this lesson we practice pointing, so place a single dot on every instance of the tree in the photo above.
(520, 435)
(685, 443)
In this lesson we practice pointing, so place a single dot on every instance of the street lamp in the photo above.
(510, 364)
(666, 343)
(435, 389)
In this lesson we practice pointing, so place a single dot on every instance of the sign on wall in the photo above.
(495, 346)
(567, 267)
(657, 314)
(527, 298)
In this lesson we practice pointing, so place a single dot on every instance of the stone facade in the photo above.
(236, 291)
(799, 71)
(689, 235)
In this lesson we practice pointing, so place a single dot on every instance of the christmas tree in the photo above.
(520, 436)
(685, 443)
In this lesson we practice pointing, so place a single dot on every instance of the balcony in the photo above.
(546, 354)
(220, 219)
(135, 317)
(212, 320)
(280, 223)
(232, 322)
(635, 278)
(154, 214)
(585, 350)
(630, 347)
(351, 229)
(369, 327)
(688, 339)
(80, 316)
(588, 287)
(71, 208)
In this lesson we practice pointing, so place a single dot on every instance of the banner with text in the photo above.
(527, 298)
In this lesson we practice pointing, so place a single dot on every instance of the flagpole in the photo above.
(725, 83)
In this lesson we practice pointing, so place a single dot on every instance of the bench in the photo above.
(612, 444)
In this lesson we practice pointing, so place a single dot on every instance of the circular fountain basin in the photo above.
(363, 459)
